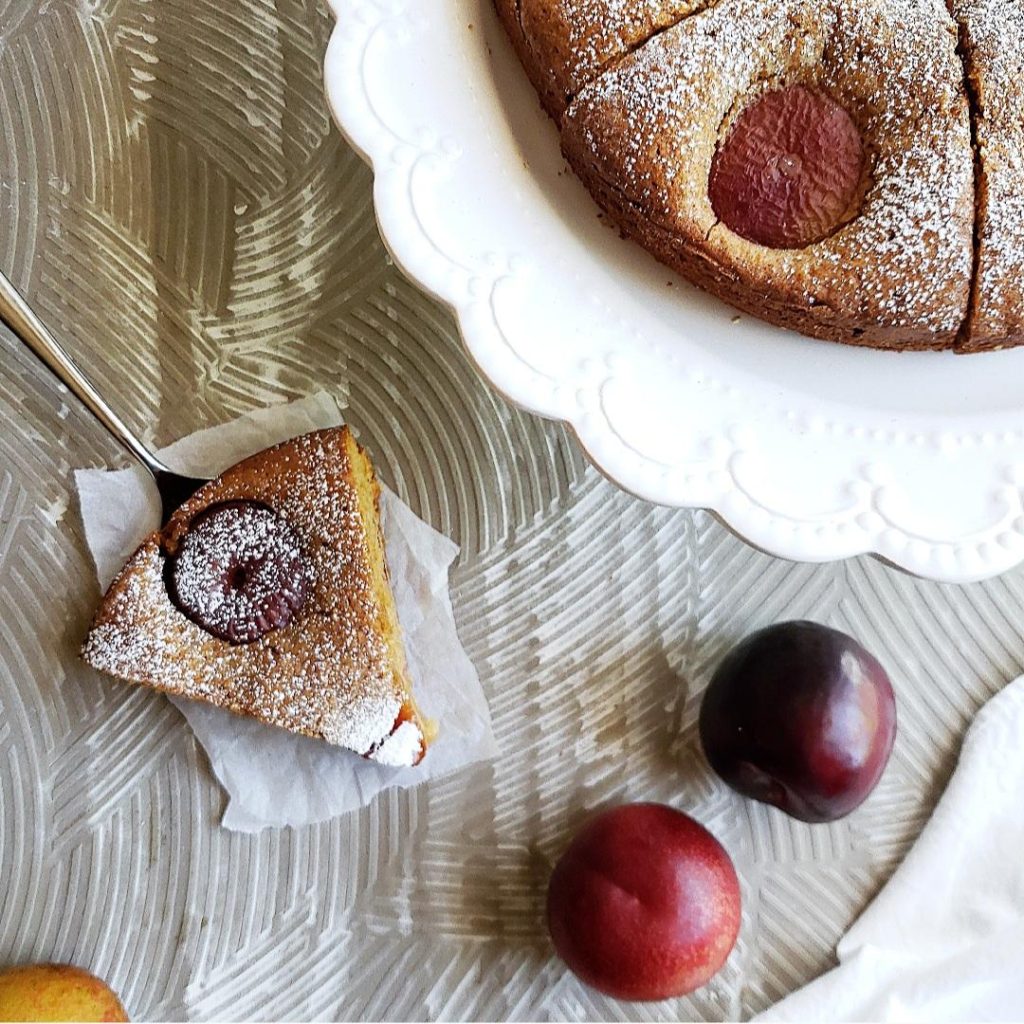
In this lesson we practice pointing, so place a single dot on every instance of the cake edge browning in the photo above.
(550, 99)
(410, 725)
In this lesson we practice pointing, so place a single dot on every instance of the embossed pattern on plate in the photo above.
(812, 451)
(179, 207)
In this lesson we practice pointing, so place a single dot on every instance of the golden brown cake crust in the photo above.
(645, 93)
(337, 670)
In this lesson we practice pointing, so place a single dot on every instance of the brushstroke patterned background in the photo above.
(178, 206)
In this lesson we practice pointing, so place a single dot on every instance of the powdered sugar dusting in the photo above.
(329, 673)
(652, 123)
(402, 747)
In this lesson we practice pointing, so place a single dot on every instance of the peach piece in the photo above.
(56, 992)
(644, 904)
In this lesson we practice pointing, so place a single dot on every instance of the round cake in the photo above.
(850, 169)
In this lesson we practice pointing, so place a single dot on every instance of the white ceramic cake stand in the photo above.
(810, 450)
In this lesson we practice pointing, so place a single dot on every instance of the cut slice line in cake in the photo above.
(992, 45)
(291, 539)
(566, 44)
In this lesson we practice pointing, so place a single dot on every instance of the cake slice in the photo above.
(992, 41)
(267, 594)
(784, 100)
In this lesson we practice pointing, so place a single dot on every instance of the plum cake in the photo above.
(267, 594)
(851, 169)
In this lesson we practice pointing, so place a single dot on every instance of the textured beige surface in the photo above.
(177, 205)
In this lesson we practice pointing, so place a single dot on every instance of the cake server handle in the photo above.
(16, 313)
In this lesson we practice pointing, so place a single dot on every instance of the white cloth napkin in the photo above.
(273, 777)
(944, 940)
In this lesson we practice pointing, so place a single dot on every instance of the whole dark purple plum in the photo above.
(802, 717)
